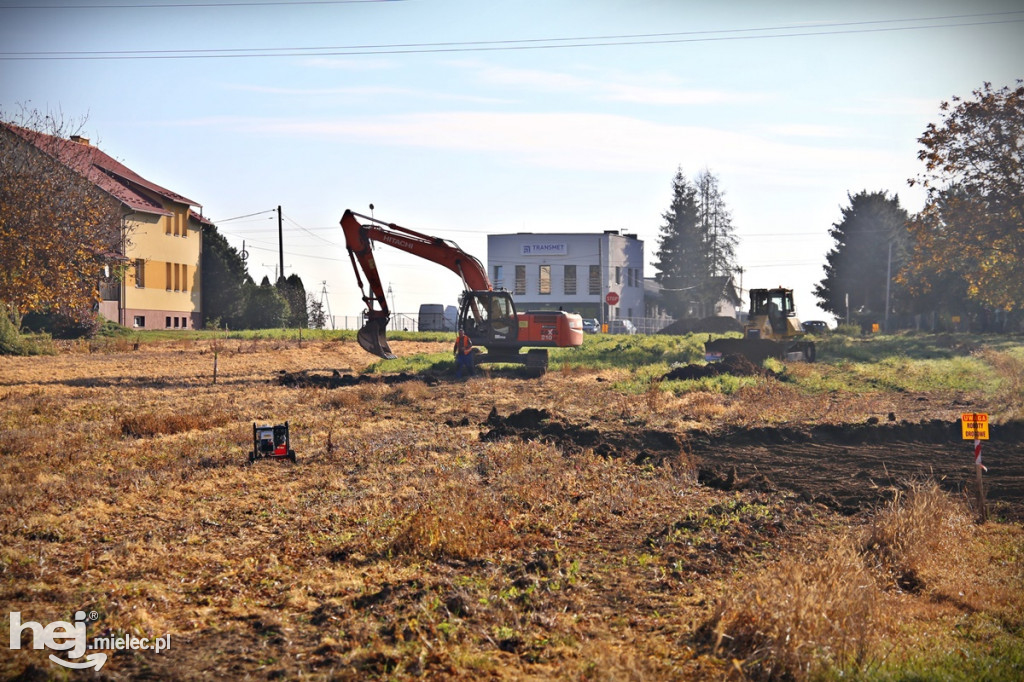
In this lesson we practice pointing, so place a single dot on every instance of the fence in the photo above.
(410, 323)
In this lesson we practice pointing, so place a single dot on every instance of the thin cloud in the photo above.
(610, 87)
(367, 91)
(583, 142)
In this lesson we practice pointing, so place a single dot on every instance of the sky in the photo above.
(460, 118)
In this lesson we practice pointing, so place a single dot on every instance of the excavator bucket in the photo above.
(373, 338)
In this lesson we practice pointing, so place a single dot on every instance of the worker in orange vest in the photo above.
(463, 354)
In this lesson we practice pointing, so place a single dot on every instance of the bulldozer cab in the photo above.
(775, 304)
(489, 317)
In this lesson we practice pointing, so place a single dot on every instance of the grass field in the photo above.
(413, 539)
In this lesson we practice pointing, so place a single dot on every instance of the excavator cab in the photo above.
(489, 317)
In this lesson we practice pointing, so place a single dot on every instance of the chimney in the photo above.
(80, 140)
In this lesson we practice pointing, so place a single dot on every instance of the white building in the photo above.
(572, 271)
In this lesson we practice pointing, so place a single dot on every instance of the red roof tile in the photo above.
(110, 175)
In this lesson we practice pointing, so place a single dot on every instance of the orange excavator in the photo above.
(488, 317)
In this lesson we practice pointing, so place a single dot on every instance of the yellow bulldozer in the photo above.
(772, 331)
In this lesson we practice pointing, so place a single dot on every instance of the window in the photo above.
(167, 323)
(184, 277)
(168, 224)
(140, 321)
(499, 280)
(140, 273)
(520, 280)
(618, 274)
(544, 281)
(176, 322)
(167, 274)
(569, 280)
(595, 280)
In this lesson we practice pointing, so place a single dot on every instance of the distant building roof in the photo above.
(111, 176)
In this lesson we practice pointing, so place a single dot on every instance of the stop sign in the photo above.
(612, 298)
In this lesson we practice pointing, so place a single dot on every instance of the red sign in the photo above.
(612, 298)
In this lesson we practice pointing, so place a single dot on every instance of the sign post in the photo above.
(974, 426)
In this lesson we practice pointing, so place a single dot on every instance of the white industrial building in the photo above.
(571, 271)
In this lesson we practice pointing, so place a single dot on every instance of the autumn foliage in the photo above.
(57, 229)
(972, 227)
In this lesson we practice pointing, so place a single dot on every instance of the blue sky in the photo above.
(459, 118)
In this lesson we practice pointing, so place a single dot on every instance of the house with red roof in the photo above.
(161, 238)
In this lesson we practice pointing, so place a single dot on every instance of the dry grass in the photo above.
(921, 529)
(804, 615)
(832, 608)
(400, 547)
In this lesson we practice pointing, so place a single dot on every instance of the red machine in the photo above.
(488, 317)
(271, 442)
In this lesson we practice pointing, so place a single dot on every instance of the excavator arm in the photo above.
(359, 239)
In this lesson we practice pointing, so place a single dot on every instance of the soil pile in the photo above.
(736, 365)
(641, 445)
(336, 379)
(706, 325)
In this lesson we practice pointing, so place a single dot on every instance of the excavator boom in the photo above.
(359, 238)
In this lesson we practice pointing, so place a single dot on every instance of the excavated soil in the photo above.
(641, 445)
(850, 468)
(853, 468)
(305, 379)
(736, 365)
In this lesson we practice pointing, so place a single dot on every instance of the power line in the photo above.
(524, 44)
(178, 5)
(248, 215)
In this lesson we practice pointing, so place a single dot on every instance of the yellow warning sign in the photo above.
(974, 426)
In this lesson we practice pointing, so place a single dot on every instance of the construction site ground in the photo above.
(498, 527)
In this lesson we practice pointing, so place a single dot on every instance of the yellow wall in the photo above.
(153, 239)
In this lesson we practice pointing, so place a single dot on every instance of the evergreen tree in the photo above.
(295, 293)
(696, 245)
(266, 308)
(225, 281)
(858, 263)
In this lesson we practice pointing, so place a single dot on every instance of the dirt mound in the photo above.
(708, 325)
(736, 365)
(336, 379)
(641, 445)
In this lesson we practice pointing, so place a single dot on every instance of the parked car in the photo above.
(816, 327)
(591, 326)
(621, 327)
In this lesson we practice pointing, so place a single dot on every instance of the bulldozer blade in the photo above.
(755, 350)
(373, 338)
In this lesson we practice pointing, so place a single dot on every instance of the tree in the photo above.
(972, 225)
(58, 231)
(225, 281)
(266, 308)
(696, 245)
(858, 265)
(295, 293)
(317, 314)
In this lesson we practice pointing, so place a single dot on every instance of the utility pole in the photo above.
(888, 280)
(280, 241)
